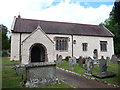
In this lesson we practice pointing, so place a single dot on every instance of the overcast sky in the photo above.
(78, 11)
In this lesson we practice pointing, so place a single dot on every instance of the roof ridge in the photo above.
(52, 27)
(59, 22)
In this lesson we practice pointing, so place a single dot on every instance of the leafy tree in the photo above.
(113, 24)
(116, 11)
(5, 39)
(114, 27)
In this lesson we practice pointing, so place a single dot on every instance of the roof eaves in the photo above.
(108, 31)
(13, 23)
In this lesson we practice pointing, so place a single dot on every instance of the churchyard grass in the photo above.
(11, 80)
(6, 61)
(111, 67)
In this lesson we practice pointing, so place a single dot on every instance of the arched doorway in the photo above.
(38, 53)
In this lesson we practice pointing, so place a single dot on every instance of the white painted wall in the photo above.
(15, 46)
(15, 40)
(93, 43)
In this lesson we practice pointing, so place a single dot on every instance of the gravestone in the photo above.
(103, 64)
(89, 66)
(108, 59)
(103, 68)
(40, 74)
(80, 61)
(72, 62)
(18, 68)
(114, 59)
(59, 61)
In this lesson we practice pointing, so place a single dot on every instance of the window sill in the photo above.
(62, 50)
(103, 51)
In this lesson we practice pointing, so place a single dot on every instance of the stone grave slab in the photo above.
(103, 75)
(40, 74)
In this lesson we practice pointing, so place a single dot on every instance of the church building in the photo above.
(39, 40)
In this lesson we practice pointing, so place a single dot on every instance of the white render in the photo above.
(93, 43)
(39, 36)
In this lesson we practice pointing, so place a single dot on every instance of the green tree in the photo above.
(5, 39)
(116, 11)
(114, 27)
(113, 24)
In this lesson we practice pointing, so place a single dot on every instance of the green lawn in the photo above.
(11, 80)
(111, 67)
(6, 61)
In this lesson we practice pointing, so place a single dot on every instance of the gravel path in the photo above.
(79, 81)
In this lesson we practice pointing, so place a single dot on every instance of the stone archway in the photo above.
(38, 53)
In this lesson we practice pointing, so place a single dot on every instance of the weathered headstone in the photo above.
(108, 59)
(80, 61)
(114, 59)
(89, 66)
(103, 68)
(40, 74)
(18, 68)
(59, 61)
(72, 61)
(103, 64)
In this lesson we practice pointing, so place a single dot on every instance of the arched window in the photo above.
(57, 45)
(66, 45)
(62, 45)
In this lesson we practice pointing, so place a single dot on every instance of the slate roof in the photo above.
(50, 27)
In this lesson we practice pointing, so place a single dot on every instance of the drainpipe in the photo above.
(72, 45)
(19, 20)
(20, 48)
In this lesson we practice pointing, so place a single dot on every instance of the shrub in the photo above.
(67, 58)
(5, 53)
(84, 59)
